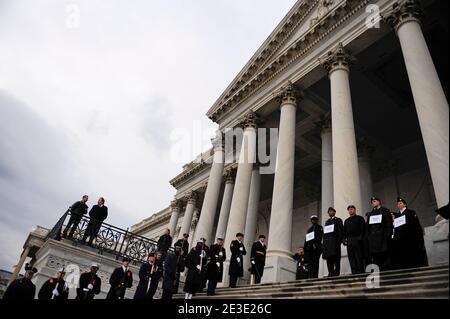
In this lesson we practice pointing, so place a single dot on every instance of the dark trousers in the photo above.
(334, 266)
(212, 284)
(115, 293)
(356, 258)
(313, 262)
(166, 295)
(72, 225)
(92, 231)
(153, 287)
(381, 260)
(233, 281)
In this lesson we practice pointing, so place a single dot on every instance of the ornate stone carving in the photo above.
(251, 119)
(287, 94)
(175, 204)
(404, 11)
(322, 10)
(191, 169)
(218, 141)
(338, 58)
(230, 175)
(324, 123)
(191, 197)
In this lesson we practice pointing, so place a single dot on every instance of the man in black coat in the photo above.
(302, 265)
(214, 272)
(97, 214)
(354, 236)
(184, 244)
(145, 273)
(237, 260)
(55, 288)
(408, 243)
(196, 262)
(22, 288)
(77, 210)
(333, 232)
(164, 243)
(258, 258)
(157, 273)
(120, 280)
(90, 284)
(379, 234)
(173, 267)
(313, 246)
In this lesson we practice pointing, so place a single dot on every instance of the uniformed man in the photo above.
(164, 243)
(258, 258)
(214, 272)
(302, 266)
(173, 267)
(196, 262)
(237, 260)
(120, 280)
(333, 232)
(55, 288)
(77, 210)
(379, 234)
(90, 284)
(145, 273)
(313, 246)
(354, 237)
(184, 242)
(22, 288)
(408, 243)
(156, 275)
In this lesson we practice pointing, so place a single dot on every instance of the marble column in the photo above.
(365, 151)
(430, 100)
(19, 265)
(175, 207)
(346, 182)
(279, 264)
(226, 202)
(209, 208)
(188, 213)
(252, 217)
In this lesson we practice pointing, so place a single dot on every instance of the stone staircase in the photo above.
(426, 282)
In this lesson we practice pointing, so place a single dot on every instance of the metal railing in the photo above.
(111, 239)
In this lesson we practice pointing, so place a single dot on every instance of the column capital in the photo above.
(191, 197)
(218, 141)
(230, 175)
(251, 119)
(364, 147)
(175, 204)
(324, 123)
(404, 11)
(338, 59)
(288, 94)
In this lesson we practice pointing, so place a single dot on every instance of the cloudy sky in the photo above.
(91, 92)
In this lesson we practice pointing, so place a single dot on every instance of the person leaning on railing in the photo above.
(77, 210)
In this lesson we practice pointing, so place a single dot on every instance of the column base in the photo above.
(279, 269)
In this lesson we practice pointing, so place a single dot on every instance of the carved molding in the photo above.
(191, 170)
(324, 123)
(191, 197)
(322, 10)
(287, 94)
(338, 58)
(404, 11)
(250, 119)
(230, 175)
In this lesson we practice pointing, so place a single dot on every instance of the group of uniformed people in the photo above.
(389, 240)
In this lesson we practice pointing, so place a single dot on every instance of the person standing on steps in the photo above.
(237, 260)
(258, 258)
(313, 246)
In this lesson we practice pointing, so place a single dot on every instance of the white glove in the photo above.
(90, 287)
(218, 265)
(241, 248)
(221, 254)
(238, 260)
(253, 262)
(55, 292)
(198, 267)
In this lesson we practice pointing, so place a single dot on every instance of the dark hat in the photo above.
(351, 206)
(239, 234)
(125, 259)
(151, 255)
(262, 236)
(331, 209)
(399, 199)
(374, 198)
(185, 235)
(29, 268)
(314, 217)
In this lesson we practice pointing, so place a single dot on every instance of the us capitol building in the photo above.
(358, 91)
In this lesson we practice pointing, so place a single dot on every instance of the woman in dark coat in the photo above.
(196, 262)
(173, 267)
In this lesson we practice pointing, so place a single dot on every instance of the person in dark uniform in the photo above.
(408, 243)
(214, 271)
(302, 265)
(90, 284)
(156, 275)
(354, 236)
(145, 273)
(258, 258)
(184, 244)
(173, 267)
(120, 280)
(313, 246)
(77, 210)
(333, 232)
(237, 260)
(164, 243)
(55, 288)
(379, 234)
(22, 288)
(196, 262)
(97, 214)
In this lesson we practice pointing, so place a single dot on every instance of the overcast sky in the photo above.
(90, 92)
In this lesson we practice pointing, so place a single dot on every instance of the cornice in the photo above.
(189, 172)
